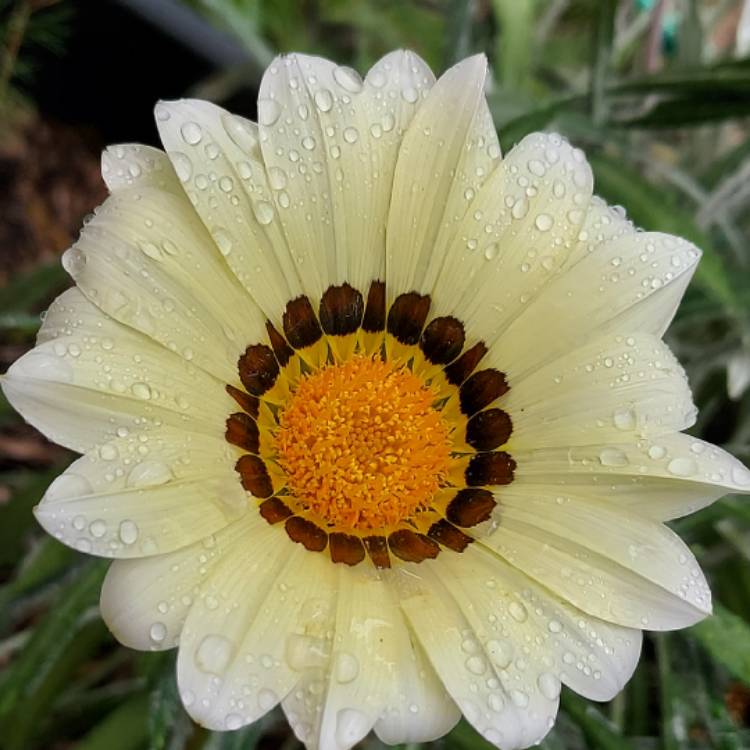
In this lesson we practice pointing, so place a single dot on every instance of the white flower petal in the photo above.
(661, 479)
(330, 142)
(603, 223)
(145, 494)
(448, 152)
(512, 614)
(146, 260)
(615, 388)
(516, 235)
(632, 283)
(217, 157)
(508, 702)
(232, 665)
(144, 602)
(419, 709)
(612, 564)
(98, 377)
(133, 165)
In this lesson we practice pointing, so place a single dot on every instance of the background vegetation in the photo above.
(656, 92)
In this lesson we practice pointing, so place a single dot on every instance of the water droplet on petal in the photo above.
(213, 654)
(191, 133)
(268, 111)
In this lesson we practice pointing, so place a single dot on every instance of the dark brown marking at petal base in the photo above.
(443, 340)
(301, 327)
(457, 372)
(281, 349)
(449, 536)
(470, 507)
(346, 548)
(374, 319)
(488, 429)
(341, 310)
(306, 533)
(273, 510)
(490, 468)
(258, 369)
(412, 547)
(249, 403)
(407, 316)
(254, 476)
(481, 389)
(242, 431)
(377, 549)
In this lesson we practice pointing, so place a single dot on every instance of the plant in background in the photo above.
(377, 424)
(655, 91)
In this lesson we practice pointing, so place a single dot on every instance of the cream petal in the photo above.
(632, 283)
(232, 665)
(98, 377)
(448, 152)
(517, 233)
(146, 260)
(217, 157)
(144, 602)
(665, 478)
(145, 494)
(612, 564)
(330, 142)
(418, 709)
(603, 223)
(131, 165)
(369, 674)
(511, 706)
(512, 615)
(615, 388)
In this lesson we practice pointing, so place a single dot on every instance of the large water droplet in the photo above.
(346, 667)
(213, 654)
(158, 632)
(263, 211)
(149, 474)
(612, 457)
(549, 685)
(268, 111)
(683, 466)
(348, 79)
(128, 532)
(323, 100)
(500, 653)
(191, 133)
(351, 726)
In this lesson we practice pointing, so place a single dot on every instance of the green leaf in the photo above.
(727, 638)
(122, 729)
(32, 288)
(50, 639)
(598, 730)
(514, 45)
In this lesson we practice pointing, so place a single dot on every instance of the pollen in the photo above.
(362, 445)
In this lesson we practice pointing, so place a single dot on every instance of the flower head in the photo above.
(377, 424)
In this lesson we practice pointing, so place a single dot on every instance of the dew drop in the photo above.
(191, 133)
(213, 654)
(351, 726)
(544, 222)
(263, 212)
(268, 111)
(348, 79)
(351, 135)
(612, 457)
(158, 632)
(128, 532)
(682, 466)
(346, 667)
(549, 685)
(323, 100)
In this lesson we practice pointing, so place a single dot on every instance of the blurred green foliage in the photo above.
(660, 103)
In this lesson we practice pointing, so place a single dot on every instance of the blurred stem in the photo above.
(458, 42)
(665, 692)
(516, 18)
(605, 24)
(17, 24)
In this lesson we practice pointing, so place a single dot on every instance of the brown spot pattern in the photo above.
(249, 403)
(488, 429)
(374, 319)
(407, 316)
(301, 327)
(346, 548)
(306, 533)
(470, 506)
(281, 349)
(341, 310)
(258, 369)
(449, 536)
(274, 510)
(242, 431)
(377, 549)
(442, 340)
(411, 546)
(254, 475)
(481, 389)
(490, 468)
(459, 370)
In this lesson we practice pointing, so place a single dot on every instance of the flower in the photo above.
(376, 423)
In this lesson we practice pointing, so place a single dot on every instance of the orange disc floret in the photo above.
(362, 445)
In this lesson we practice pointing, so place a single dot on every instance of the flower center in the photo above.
(362, 445)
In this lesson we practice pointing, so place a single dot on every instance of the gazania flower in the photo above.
(377, 424)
